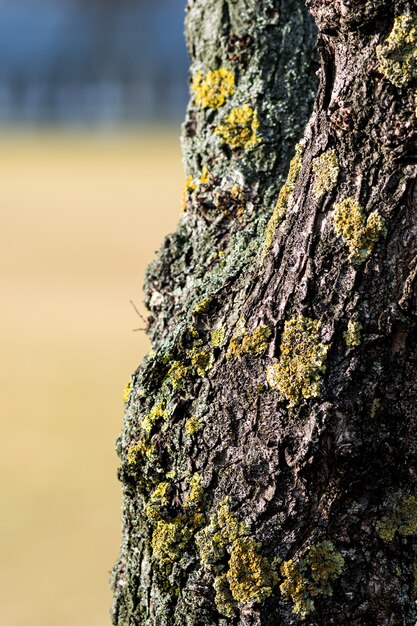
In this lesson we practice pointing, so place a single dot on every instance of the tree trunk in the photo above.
(268, 451)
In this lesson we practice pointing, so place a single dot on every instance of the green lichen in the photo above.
(326, 172)
(202, 361)
(352, 336)
(212, 91)
(248, 574)
(156, 414)
(254, 343)
(240, 128)
(285, 199)
(359, 233)
(192, 426)
(311, 576)
(159, 498)
(298, 371)
(217, 337)
(398, 54)
(126, 392)
(402, 520)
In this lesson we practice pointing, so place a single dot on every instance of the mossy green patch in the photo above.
(249, 574)
(138, 451)
(196, 493)
(177, 374)
(298, 371)
(223, 599)
(203, 305)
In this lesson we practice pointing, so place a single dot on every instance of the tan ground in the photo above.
(81, 217)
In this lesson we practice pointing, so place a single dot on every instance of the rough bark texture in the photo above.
(268, 451)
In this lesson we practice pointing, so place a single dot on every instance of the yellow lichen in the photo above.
(240, 128)
(169, 540)
(205, 176)
(192, 425)
(311, 577)
(326, 564)
(297, 373)
(189, 187)
(177, 374)
(202, 361)
(398, 54)
(296, 587)
(403, 519)
(285, 199)
(158, 499)
(212, 91)
(326, 173)
(359, 233)
(138, 450)
(249, 573)
(223, 597)
(217, 337)
(203, 305)
(157, 413)
(126, 392)
(352, 336)
(248, 576)
(196, 493)
(254, 343)
(230, 527)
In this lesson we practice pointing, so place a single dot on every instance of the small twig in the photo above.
(135, 330)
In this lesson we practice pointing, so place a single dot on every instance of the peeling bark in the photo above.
(268, 451)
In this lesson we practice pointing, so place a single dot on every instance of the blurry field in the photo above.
(81, 216)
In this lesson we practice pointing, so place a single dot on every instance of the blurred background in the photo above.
(91, 99)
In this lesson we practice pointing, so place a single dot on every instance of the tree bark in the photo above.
(268, 450)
